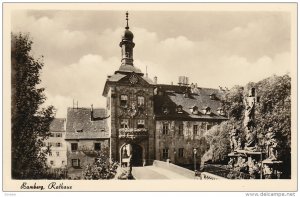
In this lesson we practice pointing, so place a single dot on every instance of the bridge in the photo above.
(164, 170)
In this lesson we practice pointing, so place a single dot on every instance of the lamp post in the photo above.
(195, 153)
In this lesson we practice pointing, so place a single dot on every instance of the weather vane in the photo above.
(127, 27)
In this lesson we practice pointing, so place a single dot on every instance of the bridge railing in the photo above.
(185, 172)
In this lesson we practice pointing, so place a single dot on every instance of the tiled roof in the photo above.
(80, 126)
(173, 96)
(57, 125)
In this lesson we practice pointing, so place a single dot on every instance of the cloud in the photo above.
(81, 49)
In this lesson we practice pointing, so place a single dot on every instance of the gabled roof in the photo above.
(171, 96)
(80, 126)
(57, 125)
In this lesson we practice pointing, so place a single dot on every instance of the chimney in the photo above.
(186, 80)
(155, 80)
(92, 113)
(171, 82)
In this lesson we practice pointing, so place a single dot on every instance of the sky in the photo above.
(213, 49)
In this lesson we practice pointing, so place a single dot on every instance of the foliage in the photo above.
(272, 110)
(30, 122)
(102, 168)
(218, 138)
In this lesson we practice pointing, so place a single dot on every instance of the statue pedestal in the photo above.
(272, 168)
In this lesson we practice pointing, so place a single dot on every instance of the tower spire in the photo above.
(127, 26)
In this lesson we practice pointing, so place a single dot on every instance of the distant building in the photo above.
(57, 158)
(86, 135)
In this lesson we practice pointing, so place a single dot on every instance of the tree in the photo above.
(102, 168)
(30, 122)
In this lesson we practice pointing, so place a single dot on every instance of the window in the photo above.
(58, 144)
(58, 135)
(74, 146)
(51, 134)
(180, 152)
(165, 128)
(75, 163)
(124, 100)
(195, 110)
(97, 146)
(180, 129)
(141, 100)
(195, 129)
(179, 109)
(124, 123)
(57, 154)
(50, 153)
(165, 110)
(208, 126)
(52, 162)
(165, 153)
(140, 124)
(49, 144)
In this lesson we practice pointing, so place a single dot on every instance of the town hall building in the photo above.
(143, 120)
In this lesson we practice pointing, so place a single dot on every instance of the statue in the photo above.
(250, 144)
(254, 169)
(272, 145)
(234, 139)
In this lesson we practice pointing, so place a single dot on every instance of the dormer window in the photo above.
(179, 109)
(221, 111)
(124, 100)
(141, 100)
(140, 124)
(207, 110)
(195, 110)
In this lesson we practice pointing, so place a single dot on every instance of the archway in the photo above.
(131, 149)
(137, 155)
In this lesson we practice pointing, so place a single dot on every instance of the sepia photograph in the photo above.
(148, 93)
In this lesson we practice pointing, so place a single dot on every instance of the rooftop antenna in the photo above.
(127, 26)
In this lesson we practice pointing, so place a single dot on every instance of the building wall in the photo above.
(117, 114)
(173, 140)
(58, 156)
(85, 154)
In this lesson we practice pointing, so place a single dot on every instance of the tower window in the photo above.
(165, 153)
(124, 123)
(165, 129)
(58, 144)
(141, 100)
(74, 146)
(140, 124)
(57, 154)
(124, 100)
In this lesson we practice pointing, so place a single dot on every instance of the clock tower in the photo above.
(130, 105)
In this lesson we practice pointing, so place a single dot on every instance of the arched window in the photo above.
(124, 100)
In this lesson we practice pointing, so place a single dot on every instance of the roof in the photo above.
(172, 96)
(125, 68)
(80, 126)
(57, 125)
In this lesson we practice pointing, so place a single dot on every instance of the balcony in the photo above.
(133, 133)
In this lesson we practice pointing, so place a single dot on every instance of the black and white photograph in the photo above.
(196, 93)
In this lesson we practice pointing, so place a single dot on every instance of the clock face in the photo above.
(133, 79)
